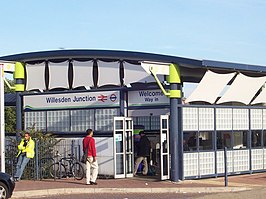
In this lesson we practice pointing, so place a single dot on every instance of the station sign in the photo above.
(72, 100)
(147, 98)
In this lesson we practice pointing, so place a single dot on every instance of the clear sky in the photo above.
(225, 30)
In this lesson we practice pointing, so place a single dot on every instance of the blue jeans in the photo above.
(21, 164)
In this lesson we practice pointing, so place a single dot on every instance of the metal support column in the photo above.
(176, 140)
(19, 86)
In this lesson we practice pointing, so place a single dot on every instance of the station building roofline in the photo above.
(192, 70)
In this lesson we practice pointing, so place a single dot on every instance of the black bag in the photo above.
(84, 157)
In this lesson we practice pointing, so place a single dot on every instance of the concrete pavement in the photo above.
(30, 188)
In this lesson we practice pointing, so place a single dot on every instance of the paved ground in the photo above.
(247, 184)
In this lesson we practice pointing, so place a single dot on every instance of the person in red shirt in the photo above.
(91, 164)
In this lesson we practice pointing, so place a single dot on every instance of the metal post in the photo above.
(225, 168)
(37, 160)
(122, 103)
(2, 119)
(19, 76)
(176, 137)
(18, 117)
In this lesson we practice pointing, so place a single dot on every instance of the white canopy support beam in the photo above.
(10, 67)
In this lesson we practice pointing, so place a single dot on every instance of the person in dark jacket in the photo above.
(143, 151)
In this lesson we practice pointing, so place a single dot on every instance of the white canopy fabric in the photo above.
(210, 87)
(261, 98)
(58, 75)
(35, 76)
(135, 73)
(243, 89)
(108, 73)
(82, 74)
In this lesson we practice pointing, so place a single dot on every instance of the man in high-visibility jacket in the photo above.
(25, 153)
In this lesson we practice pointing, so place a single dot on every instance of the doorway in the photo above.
(125, 140)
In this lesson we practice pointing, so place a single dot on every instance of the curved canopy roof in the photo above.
(192, 70)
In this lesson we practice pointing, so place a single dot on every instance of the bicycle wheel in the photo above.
(57, 171)
(77, 171)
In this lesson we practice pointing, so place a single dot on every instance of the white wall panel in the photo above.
(108, 73)
(220, 162)
(206, 119)
(135, 73)
(206, 163)
(241, 160)
(264, 118)
(240, 119)
(191, 164)
(224, 119)
(58, 75)
(257, 159)
(256, 118)
(190, 119)
(82, 74)
(35, 76)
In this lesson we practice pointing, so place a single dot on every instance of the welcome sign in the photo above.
(72, 100)
(147, 98)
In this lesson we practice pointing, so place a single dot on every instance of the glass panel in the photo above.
(119, 142)
(58, 120)
(36, 120)
(129, 141)
(119, 164)
(119, 124)
(240, 139)
(149, 122)
(154, 122)
(129, 163)
(190, 141)
(264, 138)
(165, 165)
(224, 140)
(104, 119)
(164, 141)
(256, 139)
(164, 123)
(82, 120)
(205, 140)
(129, 124)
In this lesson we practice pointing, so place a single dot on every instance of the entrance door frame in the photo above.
(124, 142)
(164, 147)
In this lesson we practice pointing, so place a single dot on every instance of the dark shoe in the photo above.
(93, 183)
(16, 179)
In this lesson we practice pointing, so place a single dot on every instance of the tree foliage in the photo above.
(7, 89)
(44, 150)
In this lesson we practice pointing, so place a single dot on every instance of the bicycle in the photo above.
(67, 167)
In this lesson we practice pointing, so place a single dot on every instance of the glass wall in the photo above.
(149, 122)
(82, 119)
(256, 139)
(232, 128)
(198, 141)
(104, 119)
(35, 120)
(71, 120)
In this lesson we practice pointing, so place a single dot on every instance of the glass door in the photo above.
(123, 147)
(119, 147)
(129, 147)
(164, 145)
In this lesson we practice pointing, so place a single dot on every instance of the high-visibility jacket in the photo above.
(29, 149)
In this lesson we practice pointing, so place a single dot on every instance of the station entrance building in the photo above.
(69, 91)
